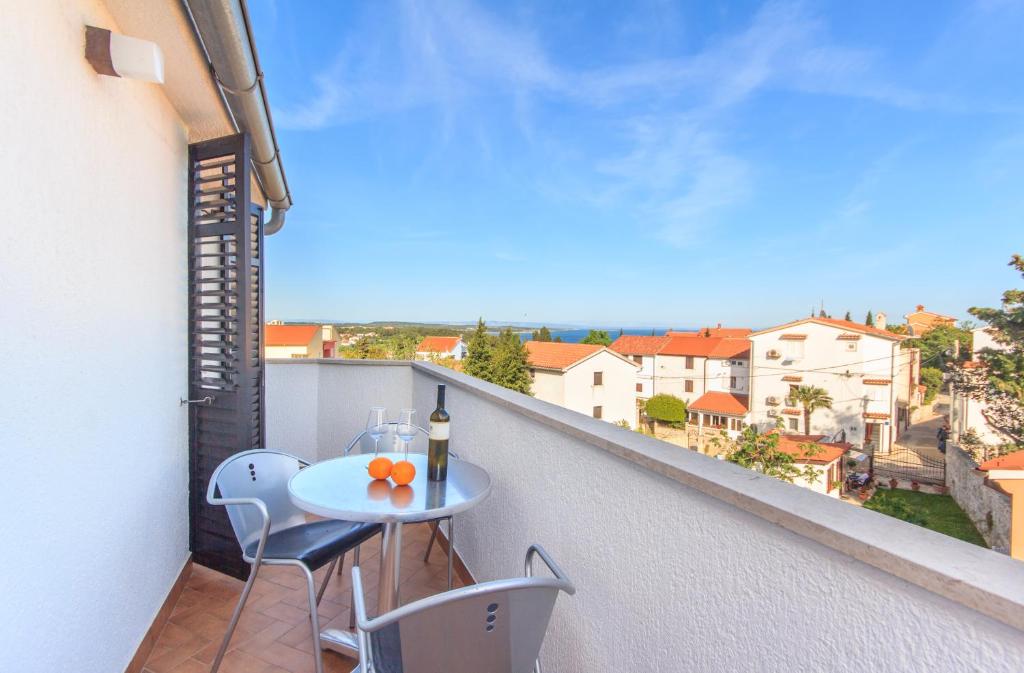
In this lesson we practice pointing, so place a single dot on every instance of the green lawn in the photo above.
(940, 513)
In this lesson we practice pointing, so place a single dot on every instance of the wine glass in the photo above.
(377, 426)
(406, 430)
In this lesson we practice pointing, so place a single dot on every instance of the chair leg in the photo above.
(234, 617)
(314, 619)
(430, 545)
(327, 577)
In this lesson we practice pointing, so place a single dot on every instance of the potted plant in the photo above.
(915, 486)
(863, 493)
(893, 483)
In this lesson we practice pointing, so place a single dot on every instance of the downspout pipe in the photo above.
(225, 34)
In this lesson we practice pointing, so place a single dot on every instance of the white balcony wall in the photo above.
(95, 458)
(683, 562)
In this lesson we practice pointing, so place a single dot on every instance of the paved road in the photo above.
(916, 453)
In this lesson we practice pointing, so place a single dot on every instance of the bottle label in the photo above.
(439, 431)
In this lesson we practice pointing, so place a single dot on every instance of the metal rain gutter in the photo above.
(226, 35)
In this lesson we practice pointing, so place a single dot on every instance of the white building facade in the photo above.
(586, 378)
(871, 380)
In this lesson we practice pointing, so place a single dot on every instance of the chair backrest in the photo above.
(261, 474)
(497, 627)
(363, 442)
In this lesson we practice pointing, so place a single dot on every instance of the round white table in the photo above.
(341, 488)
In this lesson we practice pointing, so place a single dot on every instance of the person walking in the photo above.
(942, 435)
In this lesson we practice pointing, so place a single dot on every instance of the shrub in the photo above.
(666, 408)
(931, 377)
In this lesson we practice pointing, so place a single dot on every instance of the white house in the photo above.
(294, 341)
(587, 378)
(967, 413)
(824, 458)
(871, 380)
(440, 347)
(687, 365)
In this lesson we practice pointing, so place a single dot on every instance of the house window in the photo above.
(597, 412)
(639, 387)
(793, 350)
(598, 378)
(688, 385)
(638, 359)
(732, 381)
(794, 424)
(689, 362)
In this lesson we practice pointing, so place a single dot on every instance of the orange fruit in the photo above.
(380, 467)
(403, 472)
(402, 496)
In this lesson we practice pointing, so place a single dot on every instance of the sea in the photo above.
(577, 335)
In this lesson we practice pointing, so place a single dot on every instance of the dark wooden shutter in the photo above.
(225, 245)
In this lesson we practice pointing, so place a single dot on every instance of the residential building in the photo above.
(824, 458)
(329, 335)
(969, 414)
(920, 322)
(294, 341)
(718, 331)
(687, 366)
(587, 378)
(715, 410)
(104, 484)
(440, 347)
(872, 381)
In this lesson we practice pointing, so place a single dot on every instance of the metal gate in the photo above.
(921, 465)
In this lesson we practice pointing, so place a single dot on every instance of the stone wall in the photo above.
(988, 508)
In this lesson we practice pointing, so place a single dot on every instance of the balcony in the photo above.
(672, 551)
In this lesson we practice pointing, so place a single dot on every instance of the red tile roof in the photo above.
(819, 453)
(289, 335)
(560, 356)
(629, 344)
(721, 403)
(437, 344)
(707, 347)
(1011, 461)
(845, 325)
(729, 332)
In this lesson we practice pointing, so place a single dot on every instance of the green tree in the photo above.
(597, 336)
(510, 368)
(666, 408)
(869, 320)
(848, 317)
(938, 346)
(760, 452)
(931, 377)
(999, 381)
(543, 334)
(480, 357)
(811, 398)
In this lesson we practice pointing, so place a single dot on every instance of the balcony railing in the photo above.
(672, 551)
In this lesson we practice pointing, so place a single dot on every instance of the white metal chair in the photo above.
(390, 442)
(494, 627)
(253, 486)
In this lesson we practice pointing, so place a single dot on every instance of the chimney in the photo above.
(719, 325)
(920, 308)
(880, 320)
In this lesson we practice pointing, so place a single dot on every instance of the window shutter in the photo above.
(225, 288)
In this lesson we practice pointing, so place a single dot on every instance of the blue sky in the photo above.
(644, 163)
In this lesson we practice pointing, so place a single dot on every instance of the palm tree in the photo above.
(811, 398)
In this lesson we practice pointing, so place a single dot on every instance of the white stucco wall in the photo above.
(616, 395)
(548, 385)
(827, 363)
(94, 442)
(699, 556)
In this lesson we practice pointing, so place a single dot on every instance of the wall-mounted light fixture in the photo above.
(122, 56)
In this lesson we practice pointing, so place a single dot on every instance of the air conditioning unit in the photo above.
(773, 354)
(772, 413)
(771, 399)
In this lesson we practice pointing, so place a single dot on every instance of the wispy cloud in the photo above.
(673, 164)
